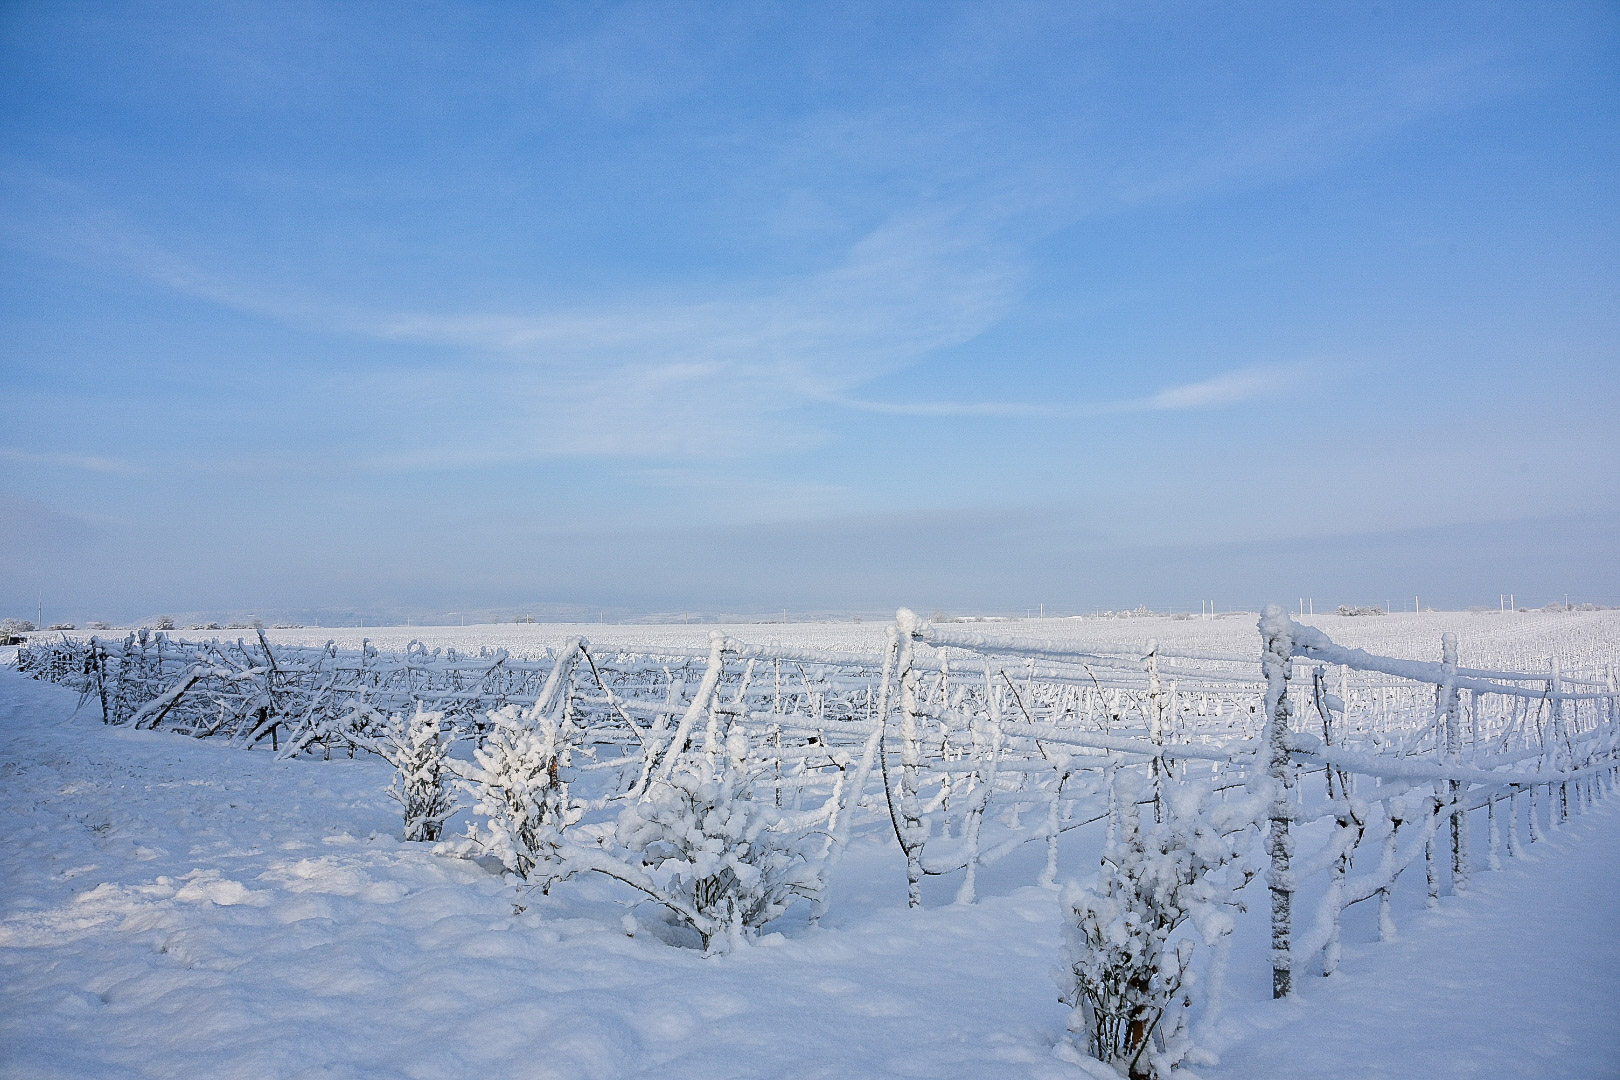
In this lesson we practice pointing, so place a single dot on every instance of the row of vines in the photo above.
(727, 783)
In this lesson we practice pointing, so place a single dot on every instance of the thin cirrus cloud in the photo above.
(699, 378)
(918, 282)
(641, 374)
(67, 460)
(1228, 388)
(921, 280)
(660, 412)
(951, 408)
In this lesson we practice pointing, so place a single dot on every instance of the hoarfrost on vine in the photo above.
(419, 753)
(1128, 961)
(712, 849)
(519, 779)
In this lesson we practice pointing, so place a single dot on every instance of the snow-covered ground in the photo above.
(170, 907)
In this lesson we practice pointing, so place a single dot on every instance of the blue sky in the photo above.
(393, 309)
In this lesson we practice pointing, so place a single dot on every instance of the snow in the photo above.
(175, 907)
(1518, 979)
(171, 907)
(1507, 640)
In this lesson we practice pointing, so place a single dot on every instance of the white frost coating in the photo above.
(1126, 745)
(520, 782)
(869, 752)
(709, 846)
(1451, 709)
(988, 783)
(1313, 643)
(1308, 747)
(392, 961)
(912, 828)
(1059, 650)
(1276, 661)
(419, 753)
(1128, 964)
(700, 704)
(986, 743)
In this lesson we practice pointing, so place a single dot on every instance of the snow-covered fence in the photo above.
(966, 747)
(1039, 728)
(1399, 787)
(963, 746)
(1527, 746)
(247, 689)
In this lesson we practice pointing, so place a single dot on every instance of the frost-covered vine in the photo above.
(419, 753)
(520, 783)
(711, 848)
(1128, 965)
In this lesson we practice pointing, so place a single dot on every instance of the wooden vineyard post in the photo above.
(1319, 699)
(1536, 834)
(1386, 870)
(914, 831)
(1614, 695)
(987, 745)
(1277, 661)
(1454, 788)
(1560, 797)
(98, 653)
(1431, 858)
(1156, 728)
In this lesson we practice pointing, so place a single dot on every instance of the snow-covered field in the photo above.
(1486, 638)
(175, 907)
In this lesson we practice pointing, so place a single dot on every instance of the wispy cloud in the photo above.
(1229, 388)
(662, 371)
(648, 374)
(60, 460)
(921, 280)
(950, 408)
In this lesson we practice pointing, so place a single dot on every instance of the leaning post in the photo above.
(1277, 664)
